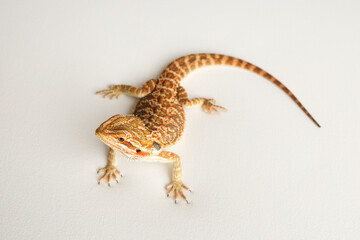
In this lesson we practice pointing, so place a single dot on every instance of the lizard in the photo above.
(158, 119)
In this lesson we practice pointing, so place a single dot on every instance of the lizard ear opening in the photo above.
(156, 146)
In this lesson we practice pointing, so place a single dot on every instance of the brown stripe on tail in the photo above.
(181, 67)
(263, 73)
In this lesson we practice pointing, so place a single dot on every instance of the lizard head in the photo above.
(128, 135)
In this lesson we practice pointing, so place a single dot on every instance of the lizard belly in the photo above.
(163, 117)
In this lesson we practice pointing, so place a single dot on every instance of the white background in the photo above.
(262, 170)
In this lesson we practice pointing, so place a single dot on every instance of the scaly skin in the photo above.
(158, 119)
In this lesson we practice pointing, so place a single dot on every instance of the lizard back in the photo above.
(162, 113)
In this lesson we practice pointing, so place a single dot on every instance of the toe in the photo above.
(220, 107)
(103, 177)
(176, 194)
(170, 191)
(114, 176)
(185, 187)
(182, 195)
(109, 178)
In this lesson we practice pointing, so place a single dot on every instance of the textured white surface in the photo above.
(260, 171)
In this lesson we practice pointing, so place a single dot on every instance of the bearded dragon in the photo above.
(158, 119)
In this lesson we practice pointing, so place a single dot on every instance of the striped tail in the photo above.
(181, 67)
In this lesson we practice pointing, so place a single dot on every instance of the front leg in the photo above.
(176, 184)
(117, 90)
(110, 169)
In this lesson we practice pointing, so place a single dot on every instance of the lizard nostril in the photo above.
(138, 150)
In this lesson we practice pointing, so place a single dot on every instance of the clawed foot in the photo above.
(176, 188)
(209, 106)
(110, 172)
(113, 91)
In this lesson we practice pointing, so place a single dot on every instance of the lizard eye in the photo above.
(121, 139)
(138, 150)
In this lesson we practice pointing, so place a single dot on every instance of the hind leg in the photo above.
(208, 105)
